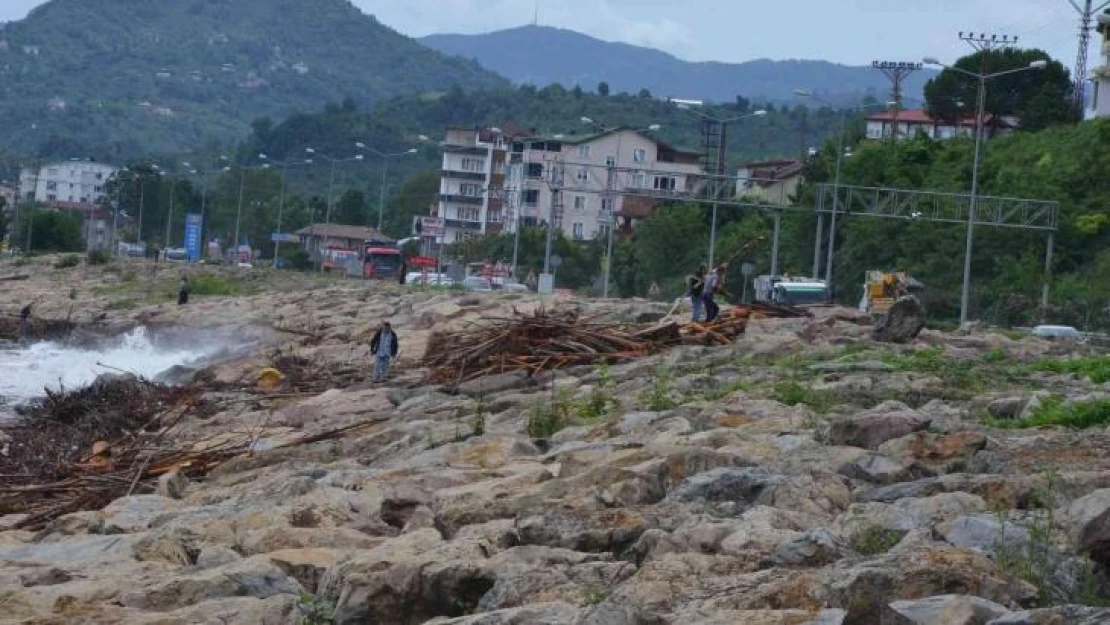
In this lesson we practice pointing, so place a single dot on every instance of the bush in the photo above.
(875, 540)
(98, 257)
(547, 419)
(658, 396)
(1096, 368)
(210, 284)
(296, 258)
(56, 232)
(68, 261)
(599, 402)
(1053, 411)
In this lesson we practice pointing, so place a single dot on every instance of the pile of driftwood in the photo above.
(82, 450)
(547, 340)
(12, 328)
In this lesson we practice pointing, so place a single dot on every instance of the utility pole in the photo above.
(239, 212)
(896, 72)
(1087, 14)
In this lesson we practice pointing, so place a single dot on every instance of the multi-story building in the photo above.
(582, 183)
(913, 122)
(81, 182)
(770, 182)
(493, 179)
(9, 195)
(1098, 94)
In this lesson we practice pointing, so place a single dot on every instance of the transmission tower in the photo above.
(896, 72)
(1087, 14)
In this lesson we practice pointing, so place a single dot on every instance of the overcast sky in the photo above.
(846, 31)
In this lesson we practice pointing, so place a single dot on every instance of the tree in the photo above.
(743, 104)
(644, 94)
(1039, 98)
(53, 231)
(351, 209)
(603, 89)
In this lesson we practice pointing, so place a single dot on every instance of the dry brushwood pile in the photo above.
(83, 449)
(37, 329)
(548, 340)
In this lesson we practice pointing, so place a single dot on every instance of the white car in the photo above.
(514, 287)
(432, 279)
(1061, 333)
(478, 284)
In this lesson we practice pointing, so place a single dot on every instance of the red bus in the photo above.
(381, 260)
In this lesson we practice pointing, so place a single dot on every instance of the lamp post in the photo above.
(385, 156)
(980, 112)
(610, 193)
(722, 151)
(331, 187)
(836, 183)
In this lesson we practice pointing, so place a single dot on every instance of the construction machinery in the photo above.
(790, 291)
(882, 289)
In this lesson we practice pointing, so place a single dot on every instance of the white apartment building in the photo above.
(492, 181)
(1098, 92)
(581, 183)
(79, 182)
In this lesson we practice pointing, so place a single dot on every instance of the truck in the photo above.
(790, 291)
(882, 288)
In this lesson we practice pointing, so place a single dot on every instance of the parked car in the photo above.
(478, 284)
(434, 279)
(514, 287)
(1059, 333)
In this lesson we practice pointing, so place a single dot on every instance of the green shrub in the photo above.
(1096, 368)
(98, 257)
(68, 261)
(792, 394)
(211, 284)
(658, 397)
(599, 402)
(1053, 411)
(874, 540)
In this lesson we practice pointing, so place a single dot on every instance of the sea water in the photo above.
(25, 371)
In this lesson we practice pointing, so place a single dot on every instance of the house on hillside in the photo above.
(77, 181)
(913, 122)
(769, 182)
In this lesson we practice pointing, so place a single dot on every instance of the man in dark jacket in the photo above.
(383, 347)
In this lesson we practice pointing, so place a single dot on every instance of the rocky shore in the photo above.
(802, 475)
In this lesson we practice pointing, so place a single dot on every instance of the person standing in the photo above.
(383, 347)
(712, 286)
(183, 292)
(695, 286)
(25, 320)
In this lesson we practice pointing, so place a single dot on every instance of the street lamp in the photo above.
(331, 186)
(836, 186)
(385, 156)
(610, 192)
(980, 112)
(721, 153)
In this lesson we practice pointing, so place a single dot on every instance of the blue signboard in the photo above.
(192, 236)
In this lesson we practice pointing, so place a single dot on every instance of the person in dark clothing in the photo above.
(402, 274)
(183, 292)
(25, 320)
(712, 287)
(695, 285)
(383, 347)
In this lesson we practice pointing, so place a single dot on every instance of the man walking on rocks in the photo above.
(383, 347)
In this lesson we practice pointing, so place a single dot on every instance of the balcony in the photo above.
(465, 149)
(462, 175)
(461, 199)
(460, 224)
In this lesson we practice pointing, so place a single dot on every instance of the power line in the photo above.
(896, 72)
(1086, 16)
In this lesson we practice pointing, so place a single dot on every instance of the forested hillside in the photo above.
(123, 78)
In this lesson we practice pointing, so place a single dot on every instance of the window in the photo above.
(577, 230)
(579, 203)
(98, 189)
(52, 186)
(99, 176)
(636, 180)
(606, 207)
(50, 197)
(470, 189)
(610, 161)
(639, 155)
(583, 151)
(603, 230)
(494, 217)
(468, 214)
(582, 176)
(534, 170)
(531, 197)
(474, 164)
(53, 171)
(664, 183)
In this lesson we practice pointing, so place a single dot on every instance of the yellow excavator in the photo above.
(881, 289)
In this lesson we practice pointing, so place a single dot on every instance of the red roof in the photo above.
(919, 116)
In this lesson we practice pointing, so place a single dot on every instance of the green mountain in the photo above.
(120, 78)
(541, 55)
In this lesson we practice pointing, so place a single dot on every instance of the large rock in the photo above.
(902, 323)
(553, 613)
(818, 493)
(1060, 615)
(134, 514)
(492, 384)
(254, 577)
(1090, 517)
(947, 610)
(870, 429)
(880, 469)
(815, 548)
